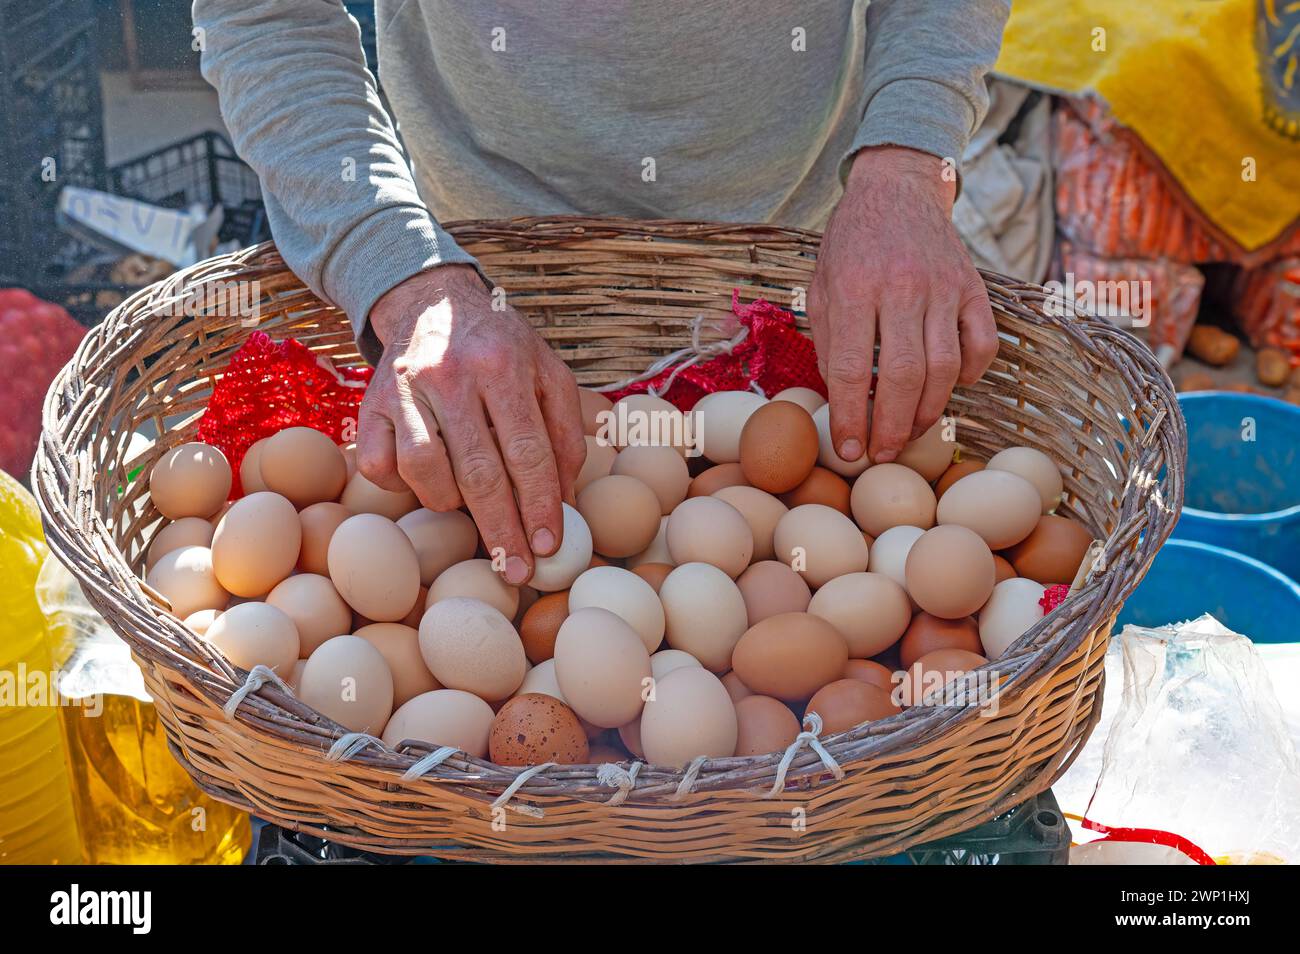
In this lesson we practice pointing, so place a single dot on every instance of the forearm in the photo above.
(304, 113)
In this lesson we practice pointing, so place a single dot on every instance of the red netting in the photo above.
(271, 385)
(774, 355)
(1053, 597)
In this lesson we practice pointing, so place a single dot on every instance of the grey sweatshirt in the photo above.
(733, 110)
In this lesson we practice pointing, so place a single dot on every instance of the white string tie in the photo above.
(610, 773)
(692, 772)
(697, 352)
(504, 798)
(428, 762)
(349, 744)
(258, 677)
(814, 723)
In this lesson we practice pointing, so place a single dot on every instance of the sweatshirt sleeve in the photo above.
(925, 67)
(304, 112)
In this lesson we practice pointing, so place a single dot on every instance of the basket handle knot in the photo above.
(257, 677)
(428, 762)
(503, 800)
(699, 350)
(349, 744)
(814, 723)
(610, 773)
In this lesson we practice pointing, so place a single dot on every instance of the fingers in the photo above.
(902, 375)
(530, 460)
(978, 330)
(850, 357)
(942, 363)
(422, 460)
(562, 411)
(377, 444)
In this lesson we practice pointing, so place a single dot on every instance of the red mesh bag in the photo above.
(1267, 304)
(271, 385)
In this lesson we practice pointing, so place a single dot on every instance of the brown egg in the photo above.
(761, 511)
(653, 573)
(469, 645)
(315, 607)
(185, 532)
(192, 480)
(361, 496)
(735, 688)
(600, 458)
(400, 647)
(715, 478)
(1000, 506)
(949, 571)
(440, 539)
(1053, 550)
(622, 512)
(891, 495)
(593, 403)
(1003, 569)
(662, 469)
(319, 521)
(824, 487)
(927, 676)
(820, 543)
(185, 577)
(928, 633)
(869, 610)
(870, 671)
(644, 420)
(250, 468)
(304, 466)
(536, 728)
(374, 567)
(790, 656)
(955, 473)
(764, 725)
(475, 579)
(541, 624)
(930, 454)
(256, 544)
(710, 530)
(417, 611)
(778, 447)
(255, 634)
(599, 753)
(771, 588)
(846, 703)
(689, 715)
(443, 717)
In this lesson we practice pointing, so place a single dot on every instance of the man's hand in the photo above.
(892, 266)
(453, 371)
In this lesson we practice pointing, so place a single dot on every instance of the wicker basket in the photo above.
(611, 297)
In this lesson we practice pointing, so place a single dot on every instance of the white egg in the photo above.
(561, 568)
(624, 594)
(1012, 608)
(718, 420)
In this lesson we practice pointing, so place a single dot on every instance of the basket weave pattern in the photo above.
(612, 296)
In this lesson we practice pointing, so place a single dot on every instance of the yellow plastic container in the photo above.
(37, 820)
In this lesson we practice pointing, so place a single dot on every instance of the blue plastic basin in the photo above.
(1189, 578)
(1243, 495)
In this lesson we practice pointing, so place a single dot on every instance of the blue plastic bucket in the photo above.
(1243, 494)
(1188, 579)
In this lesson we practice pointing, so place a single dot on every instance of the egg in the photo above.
(689, 715)
(949, 571)
(735, 688)
(625, 595)
(318, 523)
(295, 677)
(955, 473)
(599, 754)
(891, 495)
(647, 421)
(656, 552)
(440, 539)
(847, 703)
(653, 573)
(186, 578)
(770, 587)
(826, 455)
(764, 725)
(719, 419)
(598, 463)
(602, 667)
(399, 644)
(761, 511)
(889, 552)
(927, 633)
(541, 678)
(541, 624)
(443, 717)
(317, 610)
(255, 634)
(998, 505)
(870, 671)
(1037, 468)
(869, 610)
(534, 728)
(790, 656)
(926, 679)
(571, 557)
(1053, 551)
(374, 567)
(662, 469)
(667, 660)
(710, 530)
(362, 496)
(348, 679)
(593, 406)
(622, 512)
(821, 486)
(820, 544)
(185, 532)
(778, 447)
(1009, 613)
(477, 580)
(256, 544)
(250, 468)
(192, 480)
(303, 465)
(1002, 568)
(931, 453)
(704, 613)
(469, 645)
(713, 479)
(349, 452)
(216, 517)
(199, 623)
(806, 398)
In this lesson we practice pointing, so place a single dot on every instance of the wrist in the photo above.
(396, 309)
(920, 170)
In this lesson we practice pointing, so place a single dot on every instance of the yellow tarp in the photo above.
(1207, 84)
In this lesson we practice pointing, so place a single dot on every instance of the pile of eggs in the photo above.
(723, 573)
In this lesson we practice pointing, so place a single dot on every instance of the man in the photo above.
(831, 113)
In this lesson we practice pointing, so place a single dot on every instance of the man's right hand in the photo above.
(454, 370)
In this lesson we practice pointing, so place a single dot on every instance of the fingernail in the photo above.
(516, 571)
(543, 542)
(851, 450)
(885, 456)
